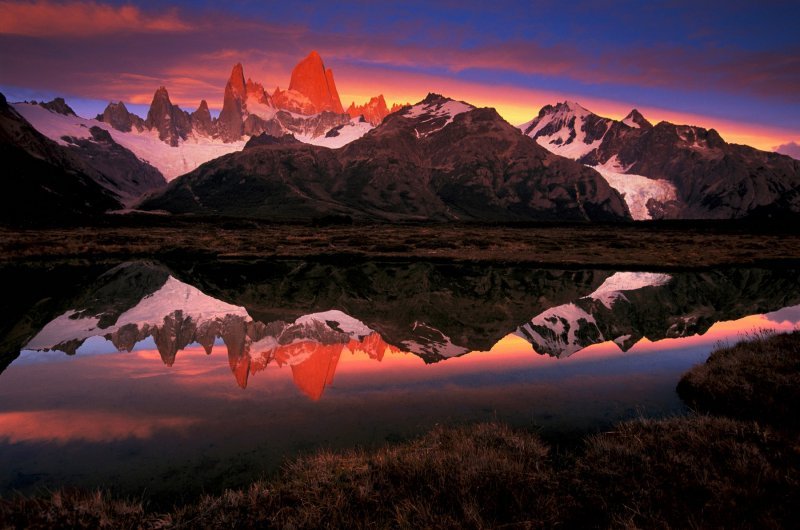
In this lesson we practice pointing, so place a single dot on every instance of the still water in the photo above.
(169, 379)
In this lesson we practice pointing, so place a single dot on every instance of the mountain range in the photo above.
(405, 169)
(675, 171)
(296, 154)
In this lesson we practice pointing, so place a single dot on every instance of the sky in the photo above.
(732, 65)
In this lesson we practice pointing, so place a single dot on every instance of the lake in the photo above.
(165, 379)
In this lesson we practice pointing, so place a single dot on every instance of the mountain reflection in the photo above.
(304, 314)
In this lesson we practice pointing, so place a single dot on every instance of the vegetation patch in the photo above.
(756, 379)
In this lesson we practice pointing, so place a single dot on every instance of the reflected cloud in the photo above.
(67, 425)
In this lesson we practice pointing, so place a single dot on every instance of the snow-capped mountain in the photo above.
(567, 129)
(671, 171)
(174, 141)
(46, 181)
(434, 113)
(406, 168)
(146, 144)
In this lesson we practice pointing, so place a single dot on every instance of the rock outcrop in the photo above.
(59, 106)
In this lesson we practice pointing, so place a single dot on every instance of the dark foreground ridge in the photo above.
(695, 471)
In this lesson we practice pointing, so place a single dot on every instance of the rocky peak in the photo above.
(231, 119)
(636, 120)
(59, 106)
(433, 98)
(690, 136)
(311, 79)
(118, 116)
(373, 111)
(237, 82)
(268, 139)
(201, 120)
(172, 123)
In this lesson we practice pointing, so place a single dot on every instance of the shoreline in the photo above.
(739, 470)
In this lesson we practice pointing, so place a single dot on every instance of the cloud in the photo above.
(191, 52)
(792, 149)
(44, 18)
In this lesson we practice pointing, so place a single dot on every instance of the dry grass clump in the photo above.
(70, 509)
(756, 379)
(692, 472)
(468, 477)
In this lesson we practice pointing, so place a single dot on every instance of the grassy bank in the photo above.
(698, 471)
(756, 379)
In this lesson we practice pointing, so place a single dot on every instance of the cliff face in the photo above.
(231, 119)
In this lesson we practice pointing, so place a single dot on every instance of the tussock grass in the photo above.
(72, 509)
(755, 379)
(466, 477)
(692, 472)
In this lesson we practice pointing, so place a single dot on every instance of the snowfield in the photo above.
(170, 161)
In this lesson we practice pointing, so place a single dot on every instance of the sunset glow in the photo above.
(516, 59)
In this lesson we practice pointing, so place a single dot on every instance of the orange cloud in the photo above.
(82, 19)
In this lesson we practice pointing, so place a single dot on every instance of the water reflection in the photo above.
(304, 315)
(334, 355)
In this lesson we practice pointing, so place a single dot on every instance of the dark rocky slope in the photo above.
(422, 163)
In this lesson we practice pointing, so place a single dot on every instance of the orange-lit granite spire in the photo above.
(311, 79)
